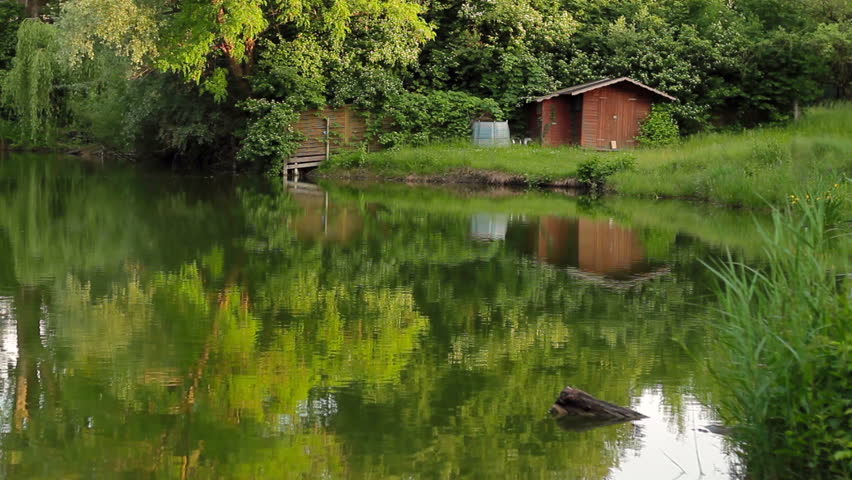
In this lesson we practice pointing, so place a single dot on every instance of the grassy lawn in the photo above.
(752, 167)
(532, 161)
(747, 168)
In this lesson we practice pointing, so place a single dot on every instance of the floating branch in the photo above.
(577, 403)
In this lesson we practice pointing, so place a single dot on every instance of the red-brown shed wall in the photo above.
(556, 121)
(614, 113)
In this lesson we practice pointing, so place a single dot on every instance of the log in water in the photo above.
(577, 403)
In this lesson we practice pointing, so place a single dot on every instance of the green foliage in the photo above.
(834, 41)
(126, 28)
(270, 136)
(294, 53)
(502, 49)
(418, 119)
(98, 104)
(294, 70)
(741, 63)
(659, 128)
(677, 58)
(187, 37)
(595, 170)
(167, 119)
(217, 85)
(797, 72)
(11, 14)
(786, 350)
(31, 86)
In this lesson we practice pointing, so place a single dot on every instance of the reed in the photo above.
(785, 355)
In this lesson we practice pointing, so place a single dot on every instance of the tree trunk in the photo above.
(577, 403)
(33, 7)
(242, 88)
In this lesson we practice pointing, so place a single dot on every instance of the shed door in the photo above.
(617, 119)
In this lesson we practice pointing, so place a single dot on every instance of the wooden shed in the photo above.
(593, 114)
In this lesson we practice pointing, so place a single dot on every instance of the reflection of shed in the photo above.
(605, 248)
(594, 247)
(485, 226)
(322, 220)
(556, 241)
(593, 114)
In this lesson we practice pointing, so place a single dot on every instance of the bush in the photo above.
(595, 170)
(270, 136)
(786, 351)
(418, 119)
(659, 128)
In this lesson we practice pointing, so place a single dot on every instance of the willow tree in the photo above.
(30, 87)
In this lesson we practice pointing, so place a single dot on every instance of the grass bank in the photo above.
(461, 162)
(747, 168)
(785, 355)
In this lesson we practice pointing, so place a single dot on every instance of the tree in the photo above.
(31, 87)
(834, 41)
(10, 18)
(505, 50)
(200, 40)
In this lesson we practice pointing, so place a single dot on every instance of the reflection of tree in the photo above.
(61, 218)
(179, 335)
(209, 374)
(500, 325)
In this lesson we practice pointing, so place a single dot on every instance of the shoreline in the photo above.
(455, 176)
(492, 179)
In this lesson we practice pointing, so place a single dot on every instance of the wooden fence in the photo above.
(328, 131)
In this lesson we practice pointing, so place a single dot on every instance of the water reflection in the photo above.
(322, 219)
(484, 226)
(597, 247)
(246, 331)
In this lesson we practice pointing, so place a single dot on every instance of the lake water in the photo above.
(161, 326)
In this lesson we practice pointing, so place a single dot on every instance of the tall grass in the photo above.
(785, 356)
(751, 167)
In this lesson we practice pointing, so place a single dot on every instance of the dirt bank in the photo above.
(468, 176)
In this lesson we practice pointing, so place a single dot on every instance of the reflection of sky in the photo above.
(661, 437)
(8, 359)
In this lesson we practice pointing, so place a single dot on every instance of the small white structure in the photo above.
(491, 134)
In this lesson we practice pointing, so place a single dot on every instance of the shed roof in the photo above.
(585, 87)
